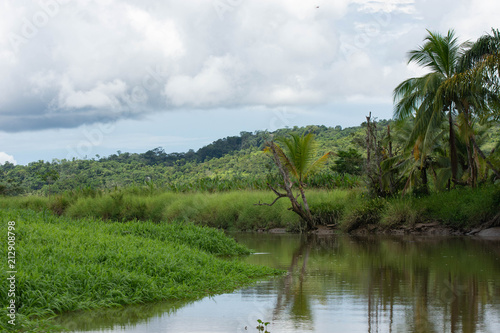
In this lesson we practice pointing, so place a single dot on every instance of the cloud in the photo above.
(102, 96)
(68, 63)
(4, 157)
(213, 85)
(388, 6)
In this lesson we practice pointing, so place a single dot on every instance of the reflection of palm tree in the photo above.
(298, 299)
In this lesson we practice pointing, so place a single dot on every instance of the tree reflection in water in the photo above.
(341, 284)
(406, 284)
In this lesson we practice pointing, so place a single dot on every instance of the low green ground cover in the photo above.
(66, 264)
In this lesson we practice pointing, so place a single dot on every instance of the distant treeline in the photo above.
(230, 163)
(238, 162)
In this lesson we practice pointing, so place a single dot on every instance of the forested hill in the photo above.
(230, 163)
(235, 158)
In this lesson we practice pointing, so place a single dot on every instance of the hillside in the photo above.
(237, 159)
(234, 162)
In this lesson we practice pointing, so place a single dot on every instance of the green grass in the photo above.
(463, 209)
(233, 210)
(66, 264)
(400, 212)
(237, 210)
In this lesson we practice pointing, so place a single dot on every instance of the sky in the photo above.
(87, 78)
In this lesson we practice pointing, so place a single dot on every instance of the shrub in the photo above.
(362, 213)
(462, 207)
(399, 212)
(59, 204)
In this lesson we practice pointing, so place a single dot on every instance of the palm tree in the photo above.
(424, 97)
(485, 48)
(462, 84)
(297, 160)
(415, 165)
(479, 84)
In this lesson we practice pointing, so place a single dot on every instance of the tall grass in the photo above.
(232, 210)
(237, 210)
(461, 209)
(65, 264)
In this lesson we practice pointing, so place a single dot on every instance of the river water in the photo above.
(337, 284)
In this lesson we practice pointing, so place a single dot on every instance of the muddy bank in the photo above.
(428, 229)
(419, 229)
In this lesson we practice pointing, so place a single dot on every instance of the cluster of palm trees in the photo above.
(460, 91)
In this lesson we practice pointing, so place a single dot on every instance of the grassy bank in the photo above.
(66, 264)
(460, 209)
(234, 210)
(237, 210)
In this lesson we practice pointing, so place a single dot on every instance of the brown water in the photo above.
(338, 284)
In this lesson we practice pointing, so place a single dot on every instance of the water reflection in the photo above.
(340, 284)
(120, 317)
(396, 284)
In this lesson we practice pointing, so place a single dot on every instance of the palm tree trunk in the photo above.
(472, 166)
(368, 144)
(310, 220)
(423, 174)
(480, 152)
(470, 157)
(453, 148)
(303, 212)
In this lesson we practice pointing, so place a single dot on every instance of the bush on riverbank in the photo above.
(66, 264)
(459, 209)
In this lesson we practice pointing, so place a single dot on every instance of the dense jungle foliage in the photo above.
(230, 163)
(235, 162)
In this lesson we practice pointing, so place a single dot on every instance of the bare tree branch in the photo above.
(278, 196)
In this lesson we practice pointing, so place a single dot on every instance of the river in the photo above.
(337, 284)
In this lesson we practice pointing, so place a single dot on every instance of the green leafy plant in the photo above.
(262, 327)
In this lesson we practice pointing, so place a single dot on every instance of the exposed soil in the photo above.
(420, 229)
(489, 230)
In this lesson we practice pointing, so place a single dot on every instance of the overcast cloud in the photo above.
(65, 64)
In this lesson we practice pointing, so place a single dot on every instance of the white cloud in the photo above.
(95, 61)
(102, 96)
(471, 19)
(214, 84)
(4, 157)
(156, 34)
(388, 6)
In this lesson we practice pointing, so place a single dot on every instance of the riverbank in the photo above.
(64, 264)
(462, 210)
(336, 283)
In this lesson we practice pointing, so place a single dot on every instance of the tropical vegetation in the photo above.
(120, 229)
(296, 163)
(459, 91)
